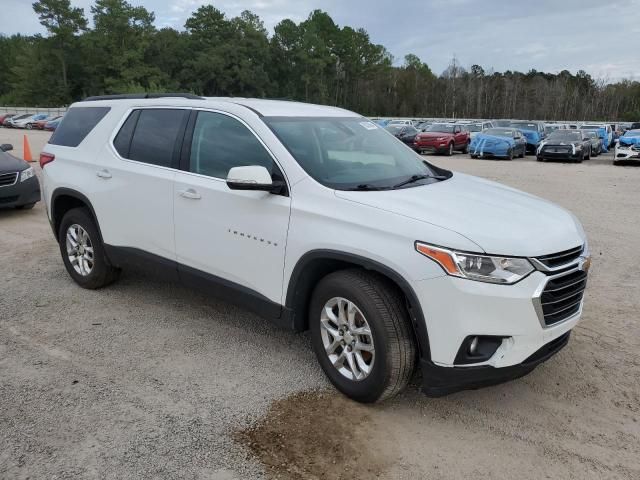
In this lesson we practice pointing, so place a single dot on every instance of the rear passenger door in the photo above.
(134, 181)
(225, 235)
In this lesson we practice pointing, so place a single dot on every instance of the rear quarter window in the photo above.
(77, 124)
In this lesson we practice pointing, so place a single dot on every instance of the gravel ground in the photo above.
(147, 379)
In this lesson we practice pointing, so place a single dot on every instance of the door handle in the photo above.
(104, 174)
(190, 193)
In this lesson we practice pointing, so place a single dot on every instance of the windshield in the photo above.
(632, 133)
(394, 128)
(347, 153)
(524, 125)
(591, 127)
(440, 127)
(590, 134)
(473, 127)
(566, 136)
(20, 117)
(500, 132)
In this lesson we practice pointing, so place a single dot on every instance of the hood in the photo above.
(9, 163)
(499, 219)
(434, 134)
(494, 138)
(629, 140)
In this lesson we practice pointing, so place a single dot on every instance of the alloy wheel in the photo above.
(347, 338)
(79, 250)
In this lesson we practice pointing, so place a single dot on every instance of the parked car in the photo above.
(53, 124)
(604, 131)
(315, 217)
(5, 116)
(9, 122)
(551, 127)
(29, 125)
(21, 121)
(596, 141)
(404, 133)
(443, 138)
(499, 142)
(400, 122)
(534, 131)
(475, 128)
(19, 186)
(627, 149)
(40, 124)
(567, 145)
(634, 126)
(502, 123)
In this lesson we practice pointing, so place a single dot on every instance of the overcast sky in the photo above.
(598, 36)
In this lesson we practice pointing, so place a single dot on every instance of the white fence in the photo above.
(34, 110)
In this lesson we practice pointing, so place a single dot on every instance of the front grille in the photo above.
(562, 296)
(7, 179)
(560, 258)
(546, 149)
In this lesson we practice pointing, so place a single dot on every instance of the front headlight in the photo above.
(27, 174)
(578, 147)
(483, 268)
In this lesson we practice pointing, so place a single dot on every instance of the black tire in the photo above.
(102, 273)
(27, 206)
(450, 150)
(510, 154)
(523, 153)
(384, 309)
(539, 159)
(474, 156)
(29, 126)
(588, 154)
(465, 150)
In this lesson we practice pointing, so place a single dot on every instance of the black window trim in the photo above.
(185, 155)
(176, 147)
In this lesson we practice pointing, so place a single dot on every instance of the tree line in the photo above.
(315, 60)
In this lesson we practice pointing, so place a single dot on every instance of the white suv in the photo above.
(317, 218)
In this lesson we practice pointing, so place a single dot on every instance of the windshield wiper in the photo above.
(417, 178)
(365, 187)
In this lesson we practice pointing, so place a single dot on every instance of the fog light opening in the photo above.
(478, 349)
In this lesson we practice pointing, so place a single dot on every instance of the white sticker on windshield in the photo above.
(368, 125)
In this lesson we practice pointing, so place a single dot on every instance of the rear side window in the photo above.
(77, 124)
(154, 135)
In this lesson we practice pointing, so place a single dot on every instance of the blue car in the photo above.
(534, 131)
(53, 124)
(499, 143)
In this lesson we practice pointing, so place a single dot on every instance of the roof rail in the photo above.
(137, 96)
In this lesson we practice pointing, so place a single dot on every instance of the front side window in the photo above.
(221, 142)
(347, 153)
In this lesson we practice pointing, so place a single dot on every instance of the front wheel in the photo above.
(83, 252)
(29, 126)
(510, 154)
(450, 150)
(361, 335)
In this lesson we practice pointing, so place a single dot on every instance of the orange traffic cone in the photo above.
(26, 150)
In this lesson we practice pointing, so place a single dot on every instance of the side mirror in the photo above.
(5, 147)
(254, 177)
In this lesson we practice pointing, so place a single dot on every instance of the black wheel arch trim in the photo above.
(69, 192)
(298, 292)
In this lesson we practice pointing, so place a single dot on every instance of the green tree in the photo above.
(63, 23)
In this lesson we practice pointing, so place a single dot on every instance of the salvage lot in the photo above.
(147, 379)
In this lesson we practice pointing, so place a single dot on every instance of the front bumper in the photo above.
(627, 154)
(455, 309)
(431, 147)
(548, 155)
(20, 193)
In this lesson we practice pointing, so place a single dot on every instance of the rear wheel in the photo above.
(29, 126)
(450, 150)
(83, 252)
(523, 152)
(465, 150)
(362, 335)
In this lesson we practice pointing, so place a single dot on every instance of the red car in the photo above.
(443, 138)
(5, 116)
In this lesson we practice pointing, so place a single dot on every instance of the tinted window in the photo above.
(122, 142)
(221, 142)
(77, 124)
(154, 139)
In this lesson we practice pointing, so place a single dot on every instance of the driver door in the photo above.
(236, 238)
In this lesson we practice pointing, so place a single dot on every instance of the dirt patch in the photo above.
(316, 435)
